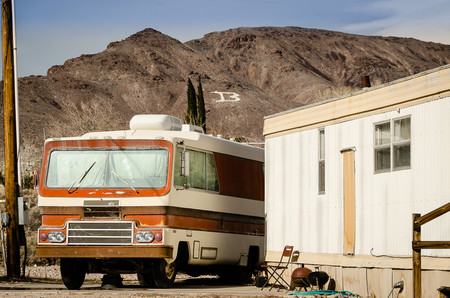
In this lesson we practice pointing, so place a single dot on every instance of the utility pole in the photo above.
(11, 182)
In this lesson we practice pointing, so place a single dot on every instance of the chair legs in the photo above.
(278, 276)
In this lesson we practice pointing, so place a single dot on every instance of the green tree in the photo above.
(191, 114)
(201, 112)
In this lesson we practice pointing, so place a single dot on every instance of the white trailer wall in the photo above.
(296, 214)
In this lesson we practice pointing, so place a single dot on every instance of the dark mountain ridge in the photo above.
(246, 73)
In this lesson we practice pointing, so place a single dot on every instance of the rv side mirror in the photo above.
(185, 164)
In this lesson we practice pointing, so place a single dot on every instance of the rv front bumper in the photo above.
(100, 252)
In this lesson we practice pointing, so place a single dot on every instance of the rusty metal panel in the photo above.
(240, 177)
(103, 252)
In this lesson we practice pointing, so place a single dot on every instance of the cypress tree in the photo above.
(201, 115)
(191, 114)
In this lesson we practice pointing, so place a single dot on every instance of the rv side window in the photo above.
(202, 170)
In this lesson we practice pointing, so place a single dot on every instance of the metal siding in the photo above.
(431, 186)
(297, 215)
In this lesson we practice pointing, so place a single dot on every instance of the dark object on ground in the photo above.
(260, 281)
(300, 278)
(111, 281)
(318, 278)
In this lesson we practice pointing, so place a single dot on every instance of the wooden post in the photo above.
(417, 265)
(11, 185)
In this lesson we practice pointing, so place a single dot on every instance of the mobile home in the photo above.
(158, 198)
(344, 176)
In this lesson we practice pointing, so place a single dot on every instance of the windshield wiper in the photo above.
(118, 176)
(70, 190)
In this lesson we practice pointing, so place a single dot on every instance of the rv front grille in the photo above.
(101, 208)
(99, 233)
(90, 212)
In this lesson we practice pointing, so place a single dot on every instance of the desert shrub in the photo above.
(334, 92)
(86, 116)
(28, 181)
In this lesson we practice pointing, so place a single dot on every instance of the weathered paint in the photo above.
(225, 223)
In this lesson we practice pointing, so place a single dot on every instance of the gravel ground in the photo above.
(45, 281)
(52, 272)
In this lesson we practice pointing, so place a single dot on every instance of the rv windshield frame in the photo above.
(117, 169)
(144, 168)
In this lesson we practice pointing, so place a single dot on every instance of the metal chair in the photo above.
(276, 271)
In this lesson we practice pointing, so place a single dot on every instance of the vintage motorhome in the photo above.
(153, 200)
(344, 177)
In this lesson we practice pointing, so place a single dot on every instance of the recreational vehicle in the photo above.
(159, 198)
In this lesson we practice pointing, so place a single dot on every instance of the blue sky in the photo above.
(52, 31)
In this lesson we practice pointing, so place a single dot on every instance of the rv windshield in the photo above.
(73, 169)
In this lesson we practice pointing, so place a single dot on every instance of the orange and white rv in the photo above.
(159, 198)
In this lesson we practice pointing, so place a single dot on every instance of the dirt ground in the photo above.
(45, 281)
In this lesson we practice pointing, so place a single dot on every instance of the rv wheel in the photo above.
(164, 273)
(146, 280)
(72, 273)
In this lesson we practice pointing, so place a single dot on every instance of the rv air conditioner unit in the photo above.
(155, 122)
(190, 127)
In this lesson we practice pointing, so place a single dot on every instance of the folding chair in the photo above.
(276, 271)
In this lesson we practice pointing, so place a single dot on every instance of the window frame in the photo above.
(321, 185)
(392, 145)
(120, 144)
(399, 144)
(377, 148)
(206, 153)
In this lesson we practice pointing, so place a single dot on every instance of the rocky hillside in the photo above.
(247, 73)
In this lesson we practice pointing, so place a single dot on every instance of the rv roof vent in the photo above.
(155, 122)
(189, 127)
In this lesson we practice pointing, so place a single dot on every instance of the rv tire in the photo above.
(73, 272)
(164, 273)
(146, 280)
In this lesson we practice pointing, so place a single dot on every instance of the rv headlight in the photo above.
(139, 237)
(57, 237)
(146, 237)
(149, 236)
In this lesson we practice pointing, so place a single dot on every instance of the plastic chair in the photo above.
(276, 271)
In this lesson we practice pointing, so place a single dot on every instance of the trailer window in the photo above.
(392, 145)
(202, 170)
(383, 146)
(108, 168)
(402, 143)
(321, 161)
